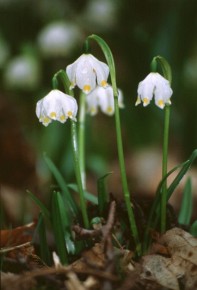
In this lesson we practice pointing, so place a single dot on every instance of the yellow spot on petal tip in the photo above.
(103, 83)
(161, 104)
(70, 114)
(109, 110)
(53, 115)
(146, 101)
(45, 121)
(86, 89)
(62, 118)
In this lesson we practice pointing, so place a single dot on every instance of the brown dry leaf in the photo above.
(17, 248)
(94, 257)
(184, 268)
(17, 236)
(155, 268)
(11, 281)
(180, 243)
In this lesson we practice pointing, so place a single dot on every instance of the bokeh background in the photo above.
(37, 38)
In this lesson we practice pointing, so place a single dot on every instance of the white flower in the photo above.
(23, 72)
(103, 98)
(58, 38)
(56, 106)
(154, 85)
(86, 72)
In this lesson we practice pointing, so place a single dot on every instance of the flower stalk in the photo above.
(78, 173)
(168, 75)
(109, 58)
(81, 137)
(78, 160)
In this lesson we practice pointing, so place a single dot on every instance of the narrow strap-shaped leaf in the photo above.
(88, 196)
(103, 197)
(44, 248)
(193, 229)
(154, 212)
(180, 175)
(68, 199)
(41, 205)
(58, 223)
(186, 204)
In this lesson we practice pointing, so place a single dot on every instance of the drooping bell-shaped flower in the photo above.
(86, 72)
(56, 106)
(103, 98)
(154, 85)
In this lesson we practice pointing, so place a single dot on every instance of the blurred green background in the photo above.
(37, 38)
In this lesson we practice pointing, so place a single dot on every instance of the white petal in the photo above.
(69, 107)
(92, 102)
(71, 73)
(106, 100)
(102, 71)
(145, 91)
(120, 99)
(85, 77)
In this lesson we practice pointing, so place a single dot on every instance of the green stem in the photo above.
(164, 167)
(131, 216)
(78, 160)
(78, 173)
(81, 138)
(110, 61)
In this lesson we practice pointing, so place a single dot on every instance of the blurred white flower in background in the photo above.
(103, 98)
(58, 39)
(190, 71)
(22, 72)
(101, 15)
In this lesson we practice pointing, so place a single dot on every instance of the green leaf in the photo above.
(186, 204)
(166, 69)
(88, 196)
(103, 197)
(181, 174)
(59, 222)
(193, 229)
(44, 248)
(68, 199)
(42, 207)
(155, 209)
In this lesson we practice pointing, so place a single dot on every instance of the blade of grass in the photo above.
(103, 197)
(44, 248)
(42, 207)
(59, 220)
(88, 196)
(186, 204)
(62, 184)
(180, 175)
(193, 229)
(154, 212)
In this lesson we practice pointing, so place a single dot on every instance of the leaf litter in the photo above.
(171, 262)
